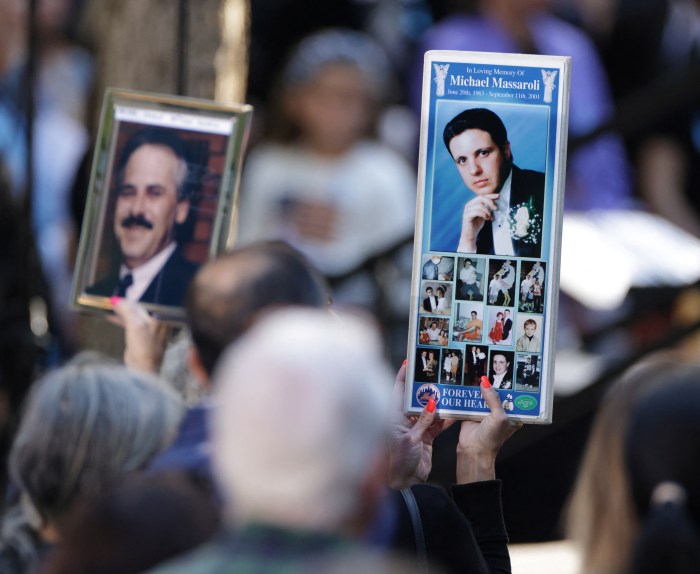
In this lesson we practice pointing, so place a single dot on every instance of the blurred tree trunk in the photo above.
(137, 47)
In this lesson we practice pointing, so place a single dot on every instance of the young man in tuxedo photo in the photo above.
(505, 215)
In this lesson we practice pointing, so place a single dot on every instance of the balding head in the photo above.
(227, 293)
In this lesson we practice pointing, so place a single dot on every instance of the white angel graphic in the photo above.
(440, 75)
(548, 78)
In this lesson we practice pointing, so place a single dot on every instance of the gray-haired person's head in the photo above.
(86, 423)
(315, 388)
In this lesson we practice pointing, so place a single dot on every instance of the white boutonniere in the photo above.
(525, 223)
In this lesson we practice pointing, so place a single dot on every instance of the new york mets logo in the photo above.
(427, 392)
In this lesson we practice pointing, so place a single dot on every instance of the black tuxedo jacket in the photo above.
(507, 326)
(168, 287)
(426, 303)
(525, 184)
(475, 367)
(463, 530)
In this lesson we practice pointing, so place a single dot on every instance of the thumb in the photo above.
(492, 398)
(398, 394)
(129, 311)
(426, 418)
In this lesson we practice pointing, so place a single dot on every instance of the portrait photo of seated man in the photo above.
(155, 181)
(504, 216)
(469, 278)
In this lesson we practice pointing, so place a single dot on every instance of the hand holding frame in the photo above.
(411, 440)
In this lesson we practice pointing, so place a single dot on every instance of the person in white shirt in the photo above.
(443, 307)
(320, 180)
(447, 367)
(467, 275)
(433, 332)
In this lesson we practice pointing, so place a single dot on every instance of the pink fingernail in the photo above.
(114, 300)
(404, 362)
(430, 407)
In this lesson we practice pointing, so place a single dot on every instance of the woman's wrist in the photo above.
(473, 467)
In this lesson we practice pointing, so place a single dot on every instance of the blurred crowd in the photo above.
(334, 144)
(295, 456)
(330, 170)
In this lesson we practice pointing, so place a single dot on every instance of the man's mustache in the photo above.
(134, 220)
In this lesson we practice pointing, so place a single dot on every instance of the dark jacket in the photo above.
(168, 287)
(525, 184)
(464, 531)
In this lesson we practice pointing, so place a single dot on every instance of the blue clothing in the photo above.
(60, 142)
(597, 173)
(430, 270)
(190, 451)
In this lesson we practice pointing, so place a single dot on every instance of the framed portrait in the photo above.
(161, 201)
(490, 196)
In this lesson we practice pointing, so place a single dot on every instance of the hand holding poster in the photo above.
(486, 259)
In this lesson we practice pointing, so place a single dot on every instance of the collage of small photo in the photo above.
(500, 325)
(470, 278)
(444, 366)
(527, 373)
(505, 369)
(438, 268)
(469, 323)
(437, 274)
(433, 331)
(451, 367)
(532, 282)
(501, 367)
(502, 276)
(485, 315)
(427, 365)
(475, 364)
(437, 298)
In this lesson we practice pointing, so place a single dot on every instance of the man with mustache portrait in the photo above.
(154, 188)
